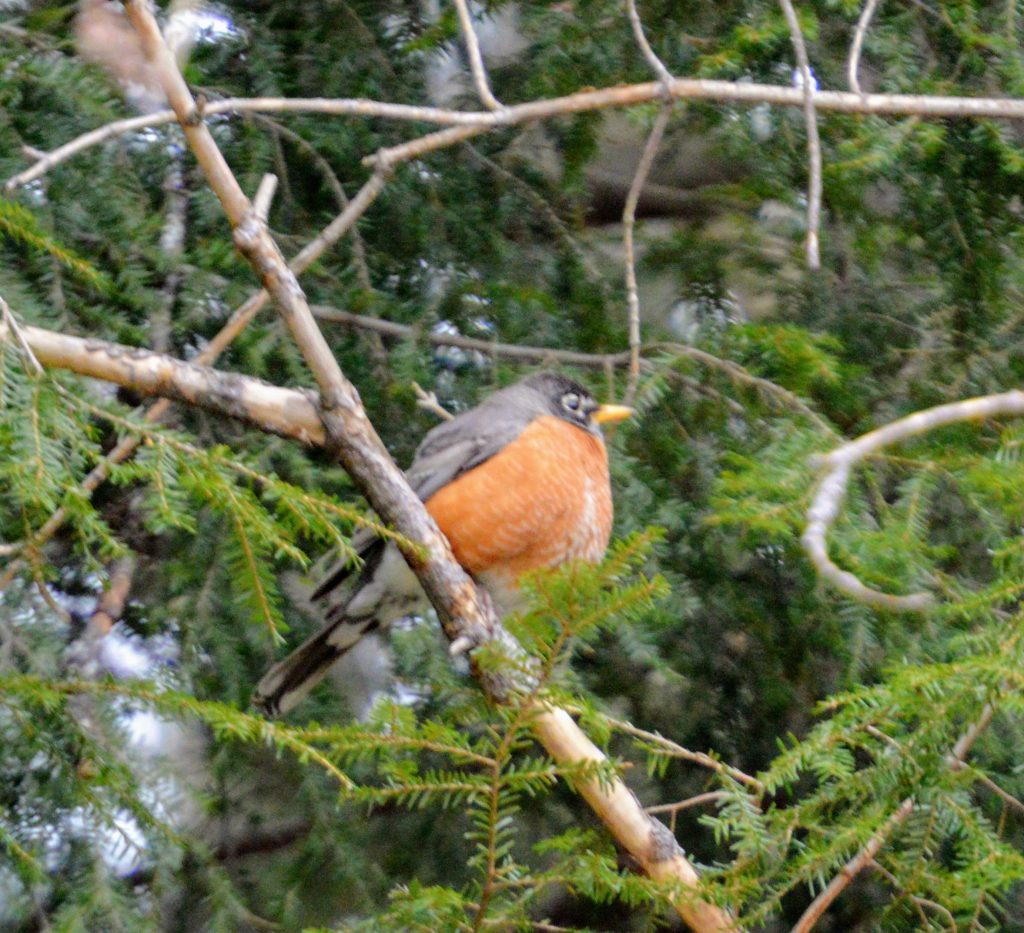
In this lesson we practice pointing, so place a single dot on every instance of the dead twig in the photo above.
(428, 402)
(853, 66)
(628, 221)
(476, 60)
(813, 138)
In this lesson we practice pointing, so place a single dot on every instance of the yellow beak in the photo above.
(609, 414)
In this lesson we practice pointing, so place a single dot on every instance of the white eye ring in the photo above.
(571, 401)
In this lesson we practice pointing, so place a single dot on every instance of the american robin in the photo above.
(518, 483)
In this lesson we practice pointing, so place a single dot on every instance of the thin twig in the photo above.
(334, 183)
(494, 348)
(966, 742)
(12, 324)
(264, 196)
(428, 402)
(837, 465)
(1012, 802)
(813, 139)
(920, 902)
(645, 47)
(543, 207)
(476, 60)
(851, 869)
(628, 220)
(710, 797)
(603, 361)
(675, 750)
(858, 43)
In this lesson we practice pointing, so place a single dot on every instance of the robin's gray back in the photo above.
(455, 447)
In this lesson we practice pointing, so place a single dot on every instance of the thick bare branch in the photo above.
(813, 138)
(836, 467)
(647, 839)
(288, 412)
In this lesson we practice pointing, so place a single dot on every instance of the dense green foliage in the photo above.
(712, 634)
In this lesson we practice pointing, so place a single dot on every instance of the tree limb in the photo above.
(835, 477)
(851, 869)
(722, 92)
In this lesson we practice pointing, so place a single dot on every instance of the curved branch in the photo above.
(836, 468)
(657, 65)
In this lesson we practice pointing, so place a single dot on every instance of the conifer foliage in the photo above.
(825, 758)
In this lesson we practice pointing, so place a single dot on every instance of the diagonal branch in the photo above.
(866, 855)
(851, 869)
(657, 65)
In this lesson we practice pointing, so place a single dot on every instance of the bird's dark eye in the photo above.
(571, 401)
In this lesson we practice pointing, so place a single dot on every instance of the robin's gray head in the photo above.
(554, 394)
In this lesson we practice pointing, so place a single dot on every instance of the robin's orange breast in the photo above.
(543, 499)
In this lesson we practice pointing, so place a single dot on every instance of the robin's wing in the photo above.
(457, 446)
(446, 452)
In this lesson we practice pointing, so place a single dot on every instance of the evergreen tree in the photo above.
(800, 739)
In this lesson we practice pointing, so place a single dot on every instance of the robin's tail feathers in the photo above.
(288, 681)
